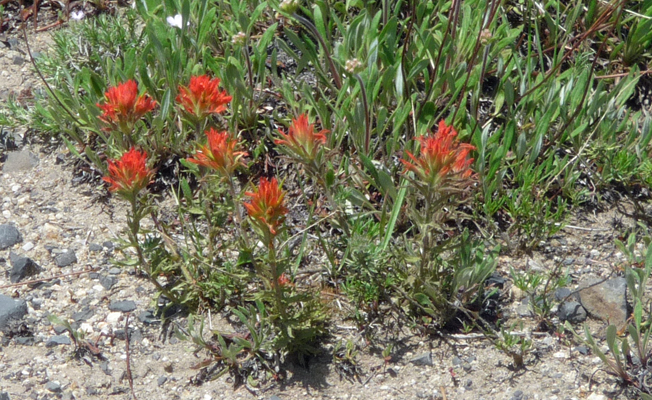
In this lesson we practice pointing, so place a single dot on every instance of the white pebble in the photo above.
(28, 246)
(6, 214)
(15, 188)
(561, 354)
(113, 317)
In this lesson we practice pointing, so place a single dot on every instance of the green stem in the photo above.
(134, 228)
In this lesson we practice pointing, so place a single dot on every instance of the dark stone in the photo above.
(572, 312)
(25, 340)
(147, 317)
(60, 159)
(65, 259)
(11, 309)
(108, 245)
(4, 396)
(104, 366)
(54, 387)
(22, 160)
(59, 329)
(562, 293)
(457, 361)
(518, 395)
(18, 60)
(94, 275)
(94, 247)
(115, 271)
(22, 267)
(584, 350)
(606, 301)
(107, 282)
(13, 43)
(57, 340)
(422, 359)
(495, 280)
(83, 315)
(9, 236)
(161, 380)
(122, 306)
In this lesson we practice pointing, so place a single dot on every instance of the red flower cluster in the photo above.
(202, 97)
(220, 153)
(129, 175)
(302, 140)
(123, 107)
(441, 156)
(266, 208)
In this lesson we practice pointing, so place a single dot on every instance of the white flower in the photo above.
(77, 15)
(176, 21)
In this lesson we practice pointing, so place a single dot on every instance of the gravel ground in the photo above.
(57, 218)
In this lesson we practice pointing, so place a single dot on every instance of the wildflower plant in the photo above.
(122, 108)
(202, 98)
(129, 176)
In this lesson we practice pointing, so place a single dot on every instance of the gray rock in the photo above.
(58, 340)
(457, 361)
(22, 160)
(161, 380)
(22, 267)
(4, 396)
(94, 247)
(53, 386)
(83, 315)
(11, 309)
(18, 60)
(65, 259)
(518, 395)
(147, 317)
(13, 43)
(274, 397)
(572, 312)
(562, 293)
(107, 282)
(422, 359)
(115, 271)
(9, 236)
(582, 349)
(122, 306)
(606, 301)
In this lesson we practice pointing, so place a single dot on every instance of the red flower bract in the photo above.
(301, 138)
(123, 107)
(442, 156)
(202, 97)
(266, 208)
(129, 175)
(220, 153)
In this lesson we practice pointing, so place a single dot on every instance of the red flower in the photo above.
(123, 106)
(285, 280)
(266, 208)
(203, 97)
(129, 175)
(220, 153)
(441, 156)
(301, 139)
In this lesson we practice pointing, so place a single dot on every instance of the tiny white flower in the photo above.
(175, 21)
(77, 15)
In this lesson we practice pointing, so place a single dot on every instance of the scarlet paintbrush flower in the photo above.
(129, 175)
(202, 97)
(219, 154)
(266, 208)
(302, 140)
(123, 107)
(442, 156)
